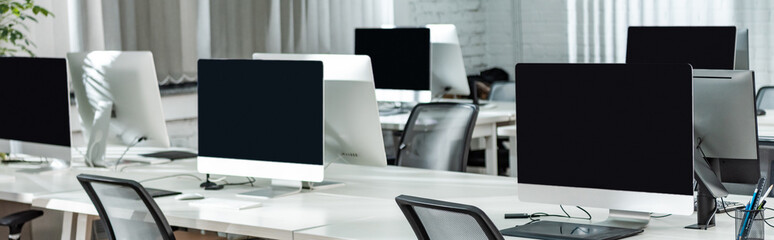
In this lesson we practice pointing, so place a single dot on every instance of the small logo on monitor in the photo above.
(349, 154)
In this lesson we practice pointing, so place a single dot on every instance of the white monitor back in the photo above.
(724, 113)
(448, 67)
(742, 60)
(128, 80)
(353, 132)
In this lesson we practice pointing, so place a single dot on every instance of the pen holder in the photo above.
(749, 224)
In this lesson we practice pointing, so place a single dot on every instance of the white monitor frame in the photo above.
(262, 169)
(265, 168)
(628, 208)
(62, 155)
(447, 65)
(104, 76)
(353, 132)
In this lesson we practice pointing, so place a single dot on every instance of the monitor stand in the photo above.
(277, 188)
(97, 145)
(709, 188)
(320, 185)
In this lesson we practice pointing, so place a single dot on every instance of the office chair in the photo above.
(128, 211)
(433, 219)
(16, 221)
(764, 99)
(503, 91)
(437, 136)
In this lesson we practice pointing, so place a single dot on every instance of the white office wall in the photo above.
(500, 33)
(496, 33)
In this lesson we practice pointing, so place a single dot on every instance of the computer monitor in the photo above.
(118, 101)
(36, 107)
(725, 128)
(353, 133)
(254, 123)
(742, 50)
(448, 68)
(401, 62)
(628, 146)
(725, 119)
(702, 47)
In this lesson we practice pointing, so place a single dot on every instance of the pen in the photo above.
(765, 195)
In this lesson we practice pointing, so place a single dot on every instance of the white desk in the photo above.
(361, 198)
(362, 209)
(489, 117)
(395, 226)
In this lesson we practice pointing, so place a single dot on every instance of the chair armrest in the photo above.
(20, 218)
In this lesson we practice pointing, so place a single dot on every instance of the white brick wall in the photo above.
(496, 33)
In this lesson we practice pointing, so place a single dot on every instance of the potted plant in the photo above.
(14, 16)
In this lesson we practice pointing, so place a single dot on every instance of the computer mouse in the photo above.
(189, 196)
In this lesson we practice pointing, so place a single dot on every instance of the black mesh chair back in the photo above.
(433, 219)
(437, 136)
(764, 100)
(503, 92)
(126, 208)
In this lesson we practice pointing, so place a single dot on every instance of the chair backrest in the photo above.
(437, 136)
(503, 91)
(433, 219)
(126, 208)
(765, 98)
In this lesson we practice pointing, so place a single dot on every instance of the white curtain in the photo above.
(597, 28)
(241, 27)
(166, 28)
(179, 32)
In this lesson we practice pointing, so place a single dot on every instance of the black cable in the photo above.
(584, 210)
(534, 216)
(565, 212)
(250, 181)
(661, 216)
(136, 141)
(714, 211)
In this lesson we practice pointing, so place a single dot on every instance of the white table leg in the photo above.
(490, 157)
(81, 231)
(67, 225)
(512, 157)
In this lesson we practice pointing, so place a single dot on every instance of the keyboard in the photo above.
(160, 192)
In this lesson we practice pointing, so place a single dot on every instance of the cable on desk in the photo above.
(250, 181)
(661, 216)
(135, 142)
(765, 220)
(171, 176)
(534, 217)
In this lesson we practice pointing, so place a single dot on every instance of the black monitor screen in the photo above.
(606, 126)
(34, 100)
(261, 110)
(400, 56)
(702, 47)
